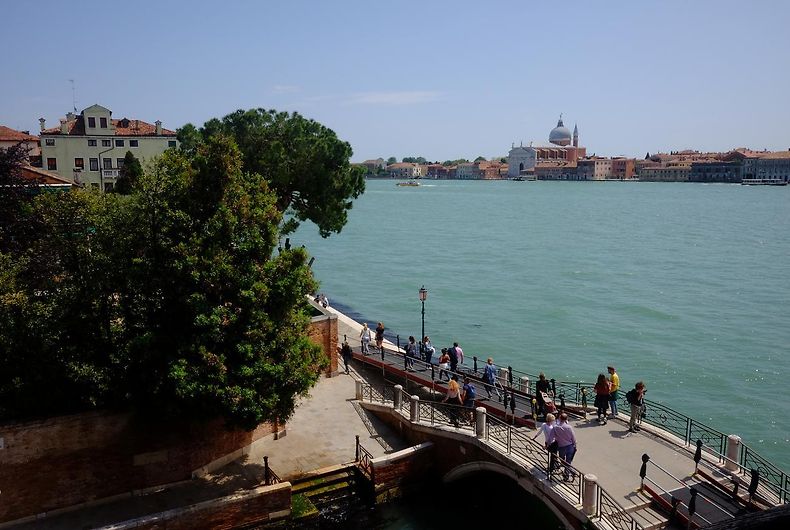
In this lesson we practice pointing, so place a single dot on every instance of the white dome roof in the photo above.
(560, 135)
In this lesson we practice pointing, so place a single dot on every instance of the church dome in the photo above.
(560, 135)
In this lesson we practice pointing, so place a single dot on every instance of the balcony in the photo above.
(110, 173)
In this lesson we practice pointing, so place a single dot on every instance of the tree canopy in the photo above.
(304, 163)
(173, 299)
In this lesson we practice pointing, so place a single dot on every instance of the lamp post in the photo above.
(423, 297)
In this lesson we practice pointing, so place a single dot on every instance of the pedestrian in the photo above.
(453, 397)
(545, 430)
(364, 336)
(469, 394)
(614, 379)
(563, 434)
(345, 352)
(411, 353)
(636, 398)
(453, 353)
(427, 349)
(548, 443)
(459, 352)
(542, 387)
(489, 377)
(444, 365)
(380, 337)
(602, 388)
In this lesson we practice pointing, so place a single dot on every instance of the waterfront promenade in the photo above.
(609, 452)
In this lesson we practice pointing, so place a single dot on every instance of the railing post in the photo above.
(414, 410)
(266, 474)
(397, 339)
(433, 373)
(502, 376)
(510, 376)
(480, 422)
(475, 360)
(513, 406)
(397, 399)
(733, 450)
(553, 386)
(643, 471)
(590, 494)
(524, 384)
(356, 457)
(358, 385)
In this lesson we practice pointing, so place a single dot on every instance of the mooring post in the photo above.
(643, 470)
(266, 474)
(524, 385)
(590, 494)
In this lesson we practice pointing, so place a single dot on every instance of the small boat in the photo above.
(518, 179)
(408, 183)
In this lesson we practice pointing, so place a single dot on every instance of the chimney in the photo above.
(158, 127)
(70, 116)
(64, 126)
(42, 123)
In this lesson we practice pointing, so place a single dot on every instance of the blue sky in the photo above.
(437, 79)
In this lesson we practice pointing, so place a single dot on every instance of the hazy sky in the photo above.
(442, 80)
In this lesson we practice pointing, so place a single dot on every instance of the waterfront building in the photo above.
(594, 168)
(673, 172)
(715, 171)
(436, 171)
(623, 168)
(556, 170)
(405, 170)
(563, 145)
(374, 165)
(90, 147)
(466, 171)
(765, 165)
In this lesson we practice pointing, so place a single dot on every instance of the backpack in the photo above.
(470, 391)
(488, 375)
(630, 396)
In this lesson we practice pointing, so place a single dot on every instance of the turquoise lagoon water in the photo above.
(684, 286)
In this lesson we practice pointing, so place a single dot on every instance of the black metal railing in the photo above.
(569, 393)
(269, 476)
(517, 442)
(364, 460)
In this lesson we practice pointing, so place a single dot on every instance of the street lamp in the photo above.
(423, 297)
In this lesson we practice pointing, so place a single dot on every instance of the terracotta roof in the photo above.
(8, 134)
(44, 176)
(133, 128)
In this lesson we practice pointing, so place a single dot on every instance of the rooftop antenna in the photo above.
(73, 95)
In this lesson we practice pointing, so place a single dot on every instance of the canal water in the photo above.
(684, 286)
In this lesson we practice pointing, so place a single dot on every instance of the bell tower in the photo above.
(575, 136)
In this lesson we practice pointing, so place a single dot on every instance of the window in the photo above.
(91, 143)
(79, 163)
(49, 141)
(107, 163)
(92, 123)
(106, 143)
(119, 162)
(94, 164)
(103, 123)
(133, 143)
(108, 186)
(171, 143)
(118, 143)
(52, 164)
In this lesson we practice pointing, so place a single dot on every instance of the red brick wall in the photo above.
(67, 460)
(258, 506)
(409, 469)
(323, 331)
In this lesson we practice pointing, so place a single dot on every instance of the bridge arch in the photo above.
(524, 482)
